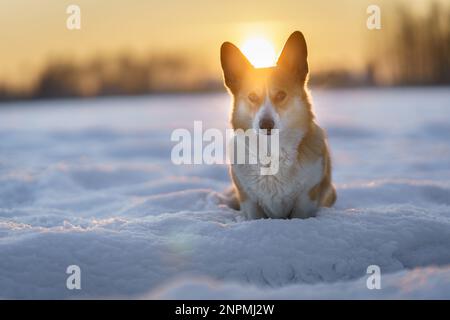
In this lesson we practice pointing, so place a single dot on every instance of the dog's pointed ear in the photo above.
(294, 55)
(234, 64)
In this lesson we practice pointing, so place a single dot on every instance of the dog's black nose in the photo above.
(267, 124)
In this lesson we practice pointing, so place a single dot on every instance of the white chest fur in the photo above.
(285, 192)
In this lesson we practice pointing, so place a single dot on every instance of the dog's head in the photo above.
(269, 98)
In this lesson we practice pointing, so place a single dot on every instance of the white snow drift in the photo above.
(91, 183)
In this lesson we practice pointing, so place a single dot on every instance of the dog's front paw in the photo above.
(301, 213)
(252, 210)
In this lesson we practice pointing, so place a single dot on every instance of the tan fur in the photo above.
(312, 147)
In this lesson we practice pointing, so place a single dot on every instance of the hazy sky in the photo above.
(34, 32)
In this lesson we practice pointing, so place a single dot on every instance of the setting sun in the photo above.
(260, 52)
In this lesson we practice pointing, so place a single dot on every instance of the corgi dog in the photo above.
(277, 98)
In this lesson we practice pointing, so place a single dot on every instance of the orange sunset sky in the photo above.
(34, 32)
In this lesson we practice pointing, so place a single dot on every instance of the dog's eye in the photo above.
(280, 96)
(253, 97)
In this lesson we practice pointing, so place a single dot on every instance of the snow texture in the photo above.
(90, 183)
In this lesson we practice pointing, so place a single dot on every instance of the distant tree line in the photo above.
(417, 51)
(118, 76)
(125, 74)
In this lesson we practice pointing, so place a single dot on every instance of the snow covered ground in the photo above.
(90, 183)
